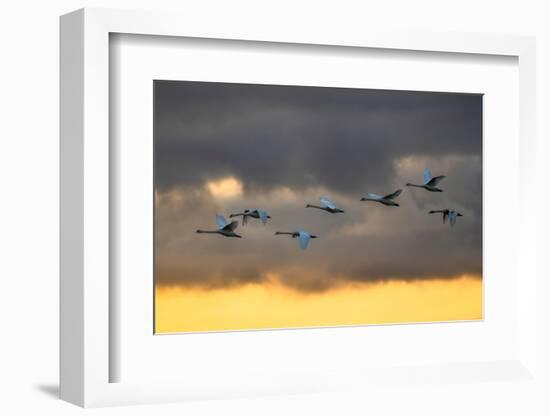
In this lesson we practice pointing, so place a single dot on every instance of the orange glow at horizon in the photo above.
(272, 305)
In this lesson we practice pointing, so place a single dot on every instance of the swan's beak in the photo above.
(363, 199)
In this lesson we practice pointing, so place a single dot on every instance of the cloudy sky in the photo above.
(226, 147)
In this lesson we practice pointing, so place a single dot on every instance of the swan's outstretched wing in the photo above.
(263, 215)
(303, 239)
(220, 220)
(231, 227)
(427, 176)
(394, 195)
(374, 196)
(327, 202)
(435, 181)
(452, 217)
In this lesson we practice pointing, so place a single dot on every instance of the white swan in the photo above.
(224, 228)
(328, 206)
(430, 184)
(387, 200)
(303, 237)
(252, 213)
(451, 213)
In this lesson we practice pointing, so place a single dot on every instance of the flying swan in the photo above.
(387, 200)
(430, 184)
(451, 213)
(302, 236)
(224, 228)
(328, 206)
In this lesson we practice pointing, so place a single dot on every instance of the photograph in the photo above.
(285, 206)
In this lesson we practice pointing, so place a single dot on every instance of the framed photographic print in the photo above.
(246, 161)
(246, 213)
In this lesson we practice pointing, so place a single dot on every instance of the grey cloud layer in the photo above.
(339, 142)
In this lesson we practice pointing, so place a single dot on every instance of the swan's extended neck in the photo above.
(283, 232)
(206, 232)
(314, 206)
(416, 186)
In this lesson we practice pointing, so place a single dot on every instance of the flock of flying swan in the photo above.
(227, 229)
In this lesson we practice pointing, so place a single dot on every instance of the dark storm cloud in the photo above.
(301, 136)
(289, 145)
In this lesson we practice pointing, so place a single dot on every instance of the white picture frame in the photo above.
(85, 216)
